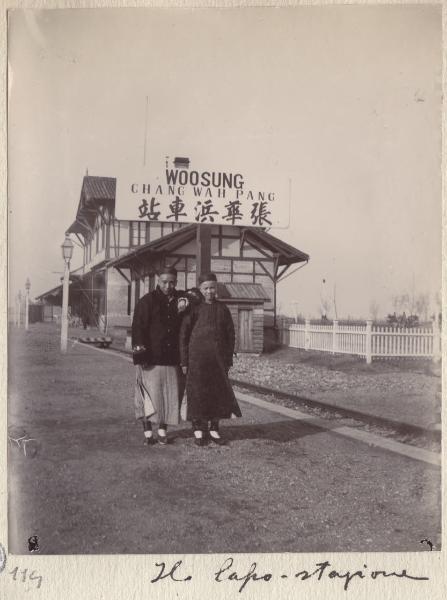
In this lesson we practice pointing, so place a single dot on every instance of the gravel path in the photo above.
(380, 389)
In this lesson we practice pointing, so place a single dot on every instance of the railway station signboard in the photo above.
(180, 194)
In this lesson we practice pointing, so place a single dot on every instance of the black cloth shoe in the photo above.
(162, 439)
(219, 441)
(150, 441)
(201, 442)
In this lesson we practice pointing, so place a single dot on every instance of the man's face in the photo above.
(209, 290)
(167, 283)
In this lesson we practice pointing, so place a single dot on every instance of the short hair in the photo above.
(207, 277)
(167, 270)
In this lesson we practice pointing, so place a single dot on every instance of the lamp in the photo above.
(67, 253)
(67, 249)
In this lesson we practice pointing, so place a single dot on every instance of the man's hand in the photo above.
(182, 304)
(184, 370)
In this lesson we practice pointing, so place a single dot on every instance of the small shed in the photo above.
(246, 304)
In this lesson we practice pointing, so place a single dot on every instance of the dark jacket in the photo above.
(155, 328)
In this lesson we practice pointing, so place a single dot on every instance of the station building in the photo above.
(121, 259)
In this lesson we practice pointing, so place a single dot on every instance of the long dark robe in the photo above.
(206, 347)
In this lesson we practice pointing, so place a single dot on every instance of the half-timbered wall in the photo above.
(125, 235)
(231, 260)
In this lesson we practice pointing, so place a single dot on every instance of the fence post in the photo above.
(436, 340)
(307, 335)
(334, 336)
(368, 342)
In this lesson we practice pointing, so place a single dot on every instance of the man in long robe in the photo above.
(155, 335)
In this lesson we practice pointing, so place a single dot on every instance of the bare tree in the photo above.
(421, 303)
(401, 302)
(374, 309)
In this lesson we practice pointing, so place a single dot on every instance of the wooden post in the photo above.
(368, 342)
(436, 340)
(203, 250)
(334, 336)
(307, 335)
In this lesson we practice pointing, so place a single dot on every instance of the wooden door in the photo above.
(245, 330)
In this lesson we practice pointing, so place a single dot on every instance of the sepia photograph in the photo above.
(224, 281)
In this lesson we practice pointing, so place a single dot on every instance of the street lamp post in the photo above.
(27, 288)
(67, 253)
(19, 302)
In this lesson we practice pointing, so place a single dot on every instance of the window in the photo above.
(243, 266)
(167, 228)
(137, 233)
(190, 280)
(230, 247)
(123, 234)
(214, 246)
(181, 280)
(242, 278)
(155, 231)
(221, 265)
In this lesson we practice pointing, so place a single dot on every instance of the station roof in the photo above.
(167, 243)
(287, 255)
(95, 192)
(53, 293)
(56, 292)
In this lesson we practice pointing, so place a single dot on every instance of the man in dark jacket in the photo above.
(155, 334)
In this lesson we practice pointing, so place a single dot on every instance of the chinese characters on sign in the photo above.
(219, 198)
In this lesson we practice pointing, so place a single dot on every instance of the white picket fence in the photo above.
(367, 340)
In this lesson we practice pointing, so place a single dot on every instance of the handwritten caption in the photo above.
(241, 577)
(23, 576)
(229, 571)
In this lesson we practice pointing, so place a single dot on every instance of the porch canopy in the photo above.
(252, 293)
(54, 296)
(162, 245)
(284, 254)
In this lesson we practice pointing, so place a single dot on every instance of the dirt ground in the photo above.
(88, 484)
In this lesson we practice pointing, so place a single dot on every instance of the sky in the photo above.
(343, 101)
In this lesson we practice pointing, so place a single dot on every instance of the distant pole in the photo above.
(19, 301)
(27, 288)
(295, 306)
